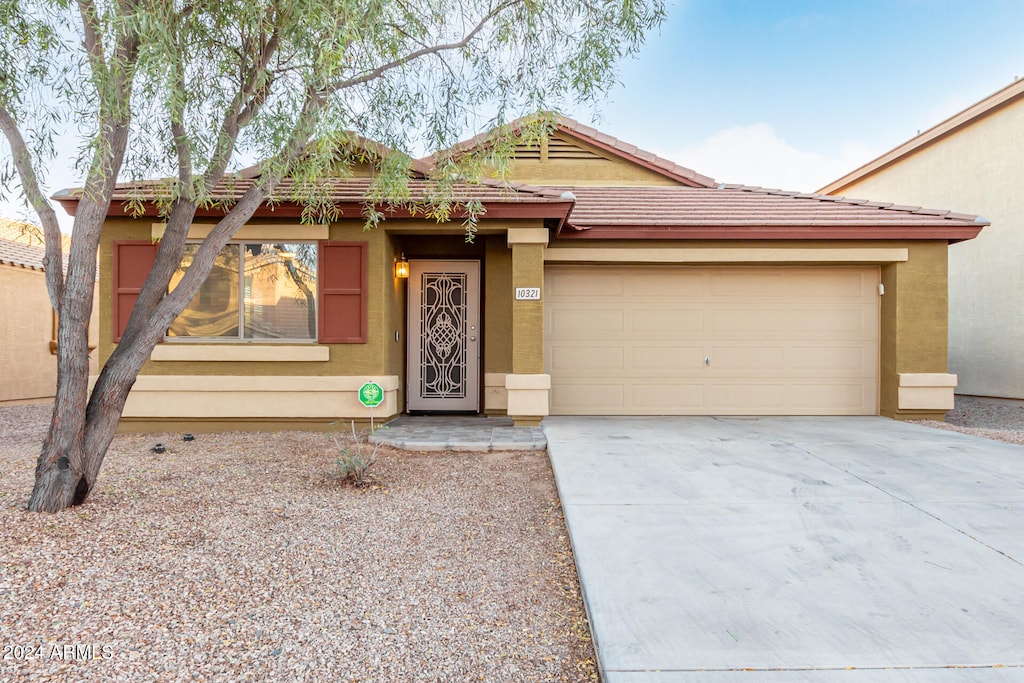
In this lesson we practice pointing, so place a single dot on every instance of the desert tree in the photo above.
(190, 91)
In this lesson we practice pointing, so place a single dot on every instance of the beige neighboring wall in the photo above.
(28, 368)
(971, 163)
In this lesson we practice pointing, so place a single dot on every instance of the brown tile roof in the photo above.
(21, 244)
(975, 112)
(611, 144)
(739, 211)
(354, 190)
(17, 254)
(721, 212)
(350, 195)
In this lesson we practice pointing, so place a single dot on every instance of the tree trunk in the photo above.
(78, 440)
(66, 471)
(60, 479)
(62, 469)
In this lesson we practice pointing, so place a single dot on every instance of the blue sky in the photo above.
(795, 93)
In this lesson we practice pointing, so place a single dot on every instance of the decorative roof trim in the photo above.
(607, 143)
(967, 117)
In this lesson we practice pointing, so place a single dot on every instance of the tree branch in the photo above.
(171, 304)
(93, 37)
(244, 106)
(53, 260)
(180, 134)
(172, 245)
(416, 54)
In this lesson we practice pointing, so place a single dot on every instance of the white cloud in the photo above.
(756, 155)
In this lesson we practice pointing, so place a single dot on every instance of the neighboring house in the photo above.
(28, 325)
(972, 161)
(608, 281)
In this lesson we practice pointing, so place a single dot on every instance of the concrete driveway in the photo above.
(794, 549)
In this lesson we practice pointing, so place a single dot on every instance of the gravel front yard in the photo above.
(235, 557)
(992, 419)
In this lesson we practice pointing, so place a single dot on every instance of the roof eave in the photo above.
(948, 233)
(547, 209)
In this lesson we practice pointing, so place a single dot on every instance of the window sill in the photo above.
(240, 353)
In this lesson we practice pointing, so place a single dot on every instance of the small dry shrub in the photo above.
(353, 464)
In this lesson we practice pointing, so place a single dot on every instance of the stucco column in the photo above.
(528, 386)
(915, 382)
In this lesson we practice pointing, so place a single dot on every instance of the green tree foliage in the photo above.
(187, 90)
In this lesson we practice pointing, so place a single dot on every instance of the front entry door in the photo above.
(444, 335)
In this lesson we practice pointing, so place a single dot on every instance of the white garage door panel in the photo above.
(623, 340)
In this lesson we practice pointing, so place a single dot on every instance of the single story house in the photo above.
(604, 281)
(973, 161)
(28, 326)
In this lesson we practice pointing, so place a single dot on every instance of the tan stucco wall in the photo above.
(913, 323)
(528, 316)
(394, 317)
(384, 354)
(975, 170)
(28, 369)
(377, 356)
(585, 172)
(498, 306)
(164, 383)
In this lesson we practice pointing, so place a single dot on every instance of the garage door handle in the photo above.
(707, 361)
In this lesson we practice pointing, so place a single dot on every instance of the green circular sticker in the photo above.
(371, 394)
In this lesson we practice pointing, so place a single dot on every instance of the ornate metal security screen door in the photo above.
(444, 335)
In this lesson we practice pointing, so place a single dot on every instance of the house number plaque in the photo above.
(527, 293)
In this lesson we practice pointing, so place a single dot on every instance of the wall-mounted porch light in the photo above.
(401, 267)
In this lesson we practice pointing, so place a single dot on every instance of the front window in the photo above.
(254, 291)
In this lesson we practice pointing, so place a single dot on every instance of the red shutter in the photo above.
(343, 281)
(132, 262)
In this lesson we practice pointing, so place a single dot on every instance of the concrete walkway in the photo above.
(459, 433)
(794, 549)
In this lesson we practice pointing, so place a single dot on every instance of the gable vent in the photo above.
(524, 152)
(563, 149)
(555, 148)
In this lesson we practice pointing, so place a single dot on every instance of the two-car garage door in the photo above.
(681, 340)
